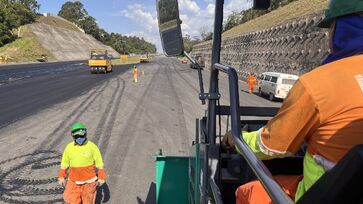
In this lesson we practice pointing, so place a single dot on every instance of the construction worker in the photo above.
(135, 74)
(319, 109)
(81, 158)
(251, 81)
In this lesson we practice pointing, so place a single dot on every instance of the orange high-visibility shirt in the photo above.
(135, 73)
(251, 80)
(325, 108)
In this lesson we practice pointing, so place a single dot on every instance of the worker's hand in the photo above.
(62, 182)
(228, 142)
(100, 182)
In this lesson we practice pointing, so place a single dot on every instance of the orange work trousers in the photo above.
(250, 88)
(254, 193)
(77, 194)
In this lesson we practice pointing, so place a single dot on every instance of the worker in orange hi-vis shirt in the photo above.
(135, 74)
(319, 109)
(81, 158)
(251, 81)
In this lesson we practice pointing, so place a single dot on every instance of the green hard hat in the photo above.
(77, 126)
(338, 8)
(134, 66)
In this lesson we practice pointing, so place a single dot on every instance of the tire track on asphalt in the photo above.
(185, 80)
(112, 120)
(11, 190)
(128, 131)
(180, 111)
(105, 114)
(38, 159)
(78, 111)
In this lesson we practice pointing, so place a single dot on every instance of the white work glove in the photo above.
(100, 182)
(325, 163)
(62, 182)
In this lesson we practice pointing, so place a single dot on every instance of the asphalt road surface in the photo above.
(129, 122)
(26, 89)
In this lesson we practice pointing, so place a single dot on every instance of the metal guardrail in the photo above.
(263, 174)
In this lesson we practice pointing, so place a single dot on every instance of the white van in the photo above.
(275, 85)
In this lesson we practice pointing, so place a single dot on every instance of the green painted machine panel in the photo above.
(194, 175)
(172, 180)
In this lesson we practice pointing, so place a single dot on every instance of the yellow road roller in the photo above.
(144, 58)
(100, 61)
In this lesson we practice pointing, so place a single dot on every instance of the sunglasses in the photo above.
(79, 133)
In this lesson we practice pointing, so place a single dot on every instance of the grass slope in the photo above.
(293, 10)
(57, 22)
(24, 49)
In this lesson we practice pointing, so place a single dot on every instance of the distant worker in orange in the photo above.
(135, 74)
(83, 160)
(251, 81)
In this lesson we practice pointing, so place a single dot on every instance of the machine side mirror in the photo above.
(169, 27)
(261, 4)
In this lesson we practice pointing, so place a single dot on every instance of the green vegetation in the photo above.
(17, 44)
(24, 49)
(14, 13)
(292, 10)
(237, 18)
(76, 13)
(56, 22)
(189, 43)
(73, 12)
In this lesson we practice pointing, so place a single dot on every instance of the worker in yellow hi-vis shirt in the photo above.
(83, 160)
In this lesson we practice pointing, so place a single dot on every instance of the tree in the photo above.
(189, 43)
(32, 5)
(14, 13)
(73, 11)
(237, 18)
(89, 25)
(232, 20)
(207, 36)
(76, 13)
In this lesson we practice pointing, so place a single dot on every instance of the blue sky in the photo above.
(138, 17)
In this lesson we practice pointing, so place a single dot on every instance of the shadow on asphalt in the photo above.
(103, 194)
(151, 196)
(256, 93)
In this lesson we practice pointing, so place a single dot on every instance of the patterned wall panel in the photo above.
(295, 47)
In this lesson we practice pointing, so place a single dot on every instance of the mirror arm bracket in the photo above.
(209, 96)
(202, 95)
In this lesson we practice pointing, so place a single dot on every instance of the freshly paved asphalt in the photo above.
(128, 121)
(28, 88)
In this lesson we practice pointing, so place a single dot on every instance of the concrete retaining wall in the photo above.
(66, 44)
(295, 47)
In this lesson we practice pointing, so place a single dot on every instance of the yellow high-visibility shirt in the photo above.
(81, 160)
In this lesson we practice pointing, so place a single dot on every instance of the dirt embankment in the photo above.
(57, 38)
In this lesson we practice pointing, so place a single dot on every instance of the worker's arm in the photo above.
(297, 118)
(62, 173)
(99, 164)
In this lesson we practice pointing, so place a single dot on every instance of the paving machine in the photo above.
(211, 174)
(100, 61)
